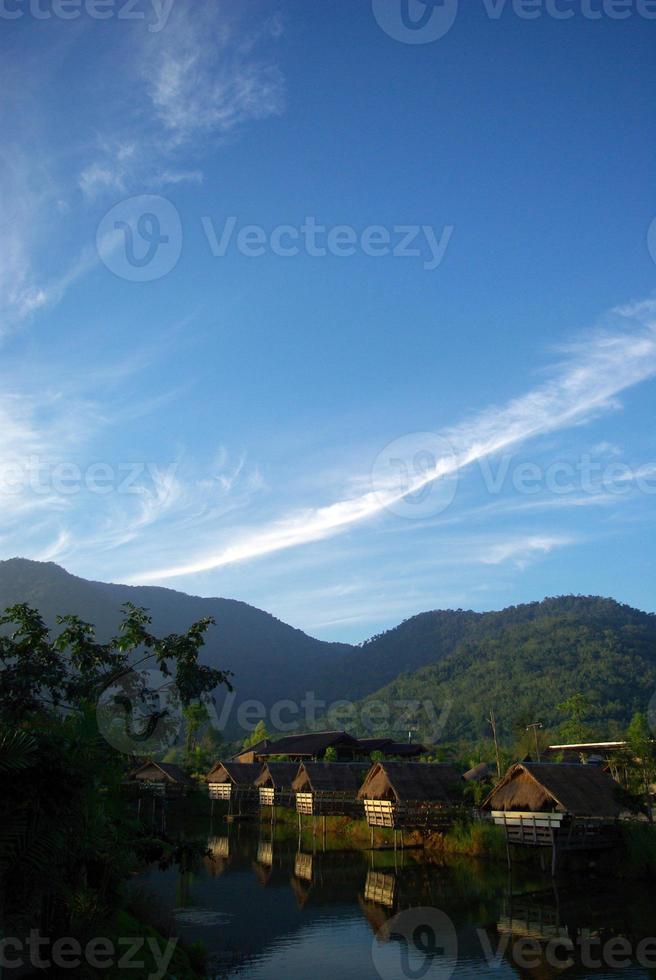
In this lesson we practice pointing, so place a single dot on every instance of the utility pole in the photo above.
(493, 724)
(535, 726)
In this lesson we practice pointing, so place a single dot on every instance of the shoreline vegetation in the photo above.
(72, 840)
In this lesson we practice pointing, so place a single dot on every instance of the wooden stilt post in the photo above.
(139, 807)
(554, 859)
(372, 838)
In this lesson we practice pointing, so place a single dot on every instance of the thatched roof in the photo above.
(478, 774)
(279, 775)
(157, 770)
(310, 744)
(424, 782)
(253, 750)
(237, 773)
(583, 791)
(329, 777)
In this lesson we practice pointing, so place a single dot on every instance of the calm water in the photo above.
(265, 908)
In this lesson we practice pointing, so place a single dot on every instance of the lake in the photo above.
(266, 908)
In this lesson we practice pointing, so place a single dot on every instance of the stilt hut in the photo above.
(275, 783)
(411, 794)
(235, 783)
(328, 789)
(565, 806)
(162, 779)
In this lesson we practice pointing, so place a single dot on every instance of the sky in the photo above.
(345, 309)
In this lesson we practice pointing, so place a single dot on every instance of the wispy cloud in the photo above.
(176, 95)
(587, 381)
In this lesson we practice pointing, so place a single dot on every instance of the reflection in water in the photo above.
(320, 912)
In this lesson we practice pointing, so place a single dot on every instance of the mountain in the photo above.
(269, 659)
(522, 661)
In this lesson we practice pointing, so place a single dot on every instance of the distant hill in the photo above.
(269, 659)
(526, 660)
(522, 661)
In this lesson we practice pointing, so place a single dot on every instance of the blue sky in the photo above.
(348, 437)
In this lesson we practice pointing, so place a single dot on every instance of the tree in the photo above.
(195, 715)
(258, 734)
(641, 761)
(38, 673)
(330, 754)
(576, 708)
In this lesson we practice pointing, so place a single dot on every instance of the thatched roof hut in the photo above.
(410, 794)
(163, 778)
(568, 788)
(404, 782)
(328, 788)
(242, 774)
(233, 780)
(275, 783)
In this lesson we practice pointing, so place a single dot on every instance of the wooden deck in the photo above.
(399, 816)
(566, 832)
(328, 805)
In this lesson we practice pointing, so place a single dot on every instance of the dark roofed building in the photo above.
(275, 783)
(411, 794)
(389, 748)
(312, 746)
(546, 787)
(163, 778)
(253, 752)
(563, 806)
(327, 788)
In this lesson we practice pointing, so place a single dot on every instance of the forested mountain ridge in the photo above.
(525, 661)
(522, 661)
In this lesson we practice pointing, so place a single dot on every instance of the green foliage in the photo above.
(258, 734)
(330, 754)
(38, 672)
(525, 663)
(67, 843)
